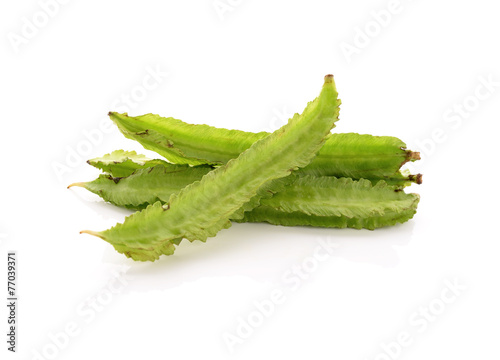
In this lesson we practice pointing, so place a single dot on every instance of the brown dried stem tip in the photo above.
(416, 178)
(414, 155)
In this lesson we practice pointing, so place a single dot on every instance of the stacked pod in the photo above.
(301, 174)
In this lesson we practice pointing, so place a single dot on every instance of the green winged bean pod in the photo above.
(331, 197)
(121, 163)
(204, 207)
(146, 185)
(307, 200)
(273, 216)
(336, 203)
(343, 155)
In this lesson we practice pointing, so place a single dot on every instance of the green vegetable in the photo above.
(204, 207)
(121, 163)
(276, 217)
(343, 155)
(146, 185)
(336, 203)
(308, 200)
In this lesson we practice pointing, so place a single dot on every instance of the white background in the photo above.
(248, 66)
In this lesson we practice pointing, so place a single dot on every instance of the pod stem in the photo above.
(414, 155)
(93, 233)
(416, 178)
(80, 184)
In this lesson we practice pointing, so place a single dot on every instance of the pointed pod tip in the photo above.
(93, 233)
(80, 184)
(116, 114)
